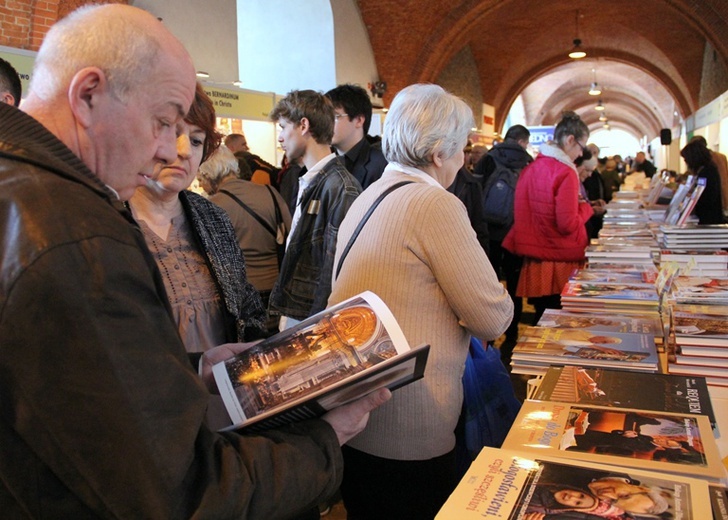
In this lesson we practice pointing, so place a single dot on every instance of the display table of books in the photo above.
(628, 418)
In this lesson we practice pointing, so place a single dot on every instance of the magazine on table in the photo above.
(634, 294)
(673, 210)
(719, 502)
(564, 319)
(515, 485)
(692, 327)
(608, 277)
(327, 360)
(656, 441)
(636, 351)
(626, 389)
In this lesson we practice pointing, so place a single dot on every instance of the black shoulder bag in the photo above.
(279, 233)
(364, 221)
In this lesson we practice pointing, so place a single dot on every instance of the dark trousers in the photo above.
(375, 488)
(508, 267)
(541, 303)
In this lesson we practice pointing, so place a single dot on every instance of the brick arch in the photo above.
(686, 107)
(414, 44)
(31, 19)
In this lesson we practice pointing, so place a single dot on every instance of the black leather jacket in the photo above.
(304, 283)
(101, 414)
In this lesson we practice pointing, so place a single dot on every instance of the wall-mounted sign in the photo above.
(22, 61)
(239, 103)
(540, 135)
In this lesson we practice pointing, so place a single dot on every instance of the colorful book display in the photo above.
(656, 441)
(626, 389)
(543, 346)
(510, 484)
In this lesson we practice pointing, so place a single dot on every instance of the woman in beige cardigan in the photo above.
(419, 253)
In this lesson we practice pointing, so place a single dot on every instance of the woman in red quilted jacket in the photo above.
(550, 215)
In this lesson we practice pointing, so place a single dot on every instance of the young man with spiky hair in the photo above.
(325, 193)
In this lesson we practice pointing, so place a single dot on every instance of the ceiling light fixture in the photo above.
(603, 117)
(600, 105)
(202, 74)
(595, 90)
(577, 52)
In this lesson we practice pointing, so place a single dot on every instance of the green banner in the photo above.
(22, 61)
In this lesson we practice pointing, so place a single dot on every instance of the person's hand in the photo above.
(350, 419)
(216, 355)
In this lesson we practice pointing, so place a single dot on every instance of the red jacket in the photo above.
(549, 219)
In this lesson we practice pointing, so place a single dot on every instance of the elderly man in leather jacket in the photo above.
(102, 414)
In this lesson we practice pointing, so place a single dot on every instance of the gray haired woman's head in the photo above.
(222, 163)
(423, 121)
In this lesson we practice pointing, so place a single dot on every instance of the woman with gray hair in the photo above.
(260, 218)
(419, 253)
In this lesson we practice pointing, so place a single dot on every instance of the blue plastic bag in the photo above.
(490, 404)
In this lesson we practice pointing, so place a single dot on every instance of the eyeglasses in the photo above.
(337, 116)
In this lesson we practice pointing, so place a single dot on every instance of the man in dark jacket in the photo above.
(469, 189)
(325, 194)
(511, 154)
(102, 414)
(361, 155)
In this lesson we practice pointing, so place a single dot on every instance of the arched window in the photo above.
(284, 45)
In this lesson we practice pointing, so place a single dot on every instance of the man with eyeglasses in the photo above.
(360, 154)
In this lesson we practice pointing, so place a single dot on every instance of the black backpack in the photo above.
(498, 196)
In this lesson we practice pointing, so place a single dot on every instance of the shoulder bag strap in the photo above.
(252, 213)
(364, 221)
(279, 217)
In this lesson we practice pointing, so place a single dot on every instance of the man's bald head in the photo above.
(123, 41)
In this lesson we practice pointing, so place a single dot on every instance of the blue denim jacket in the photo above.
(304, 283)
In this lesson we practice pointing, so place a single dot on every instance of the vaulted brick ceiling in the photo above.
(648, 54)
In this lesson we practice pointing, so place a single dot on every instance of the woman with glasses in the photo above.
(550, 214)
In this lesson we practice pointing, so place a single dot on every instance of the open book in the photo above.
(332, 358)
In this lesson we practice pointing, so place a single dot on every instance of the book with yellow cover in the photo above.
(657, 441)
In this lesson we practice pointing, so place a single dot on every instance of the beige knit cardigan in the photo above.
(419, 253)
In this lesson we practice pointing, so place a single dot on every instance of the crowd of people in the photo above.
(121, 287)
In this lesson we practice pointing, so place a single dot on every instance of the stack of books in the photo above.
(624, 253)
(648, 323)
(626, 389)
(701, 290)
(622, 267)
(513, 483)
(694, 237)
(697, 262)
(624, 213)
(670, 442)
(639, 278)
(540, 347)
(595, 444)
(700, 335)
(625, 230)
(612, 297)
